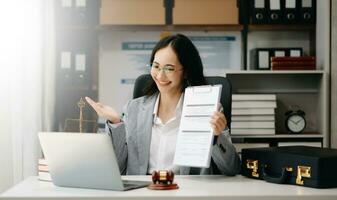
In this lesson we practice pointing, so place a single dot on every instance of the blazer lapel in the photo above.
(144, 131)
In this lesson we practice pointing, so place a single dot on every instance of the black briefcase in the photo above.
(299, 165)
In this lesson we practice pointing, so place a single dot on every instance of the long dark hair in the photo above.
(189, 58)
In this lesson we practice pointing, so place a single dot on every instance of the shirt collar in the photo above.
(178, 107)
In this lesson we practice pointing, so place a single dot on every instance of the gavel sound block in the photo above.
(162, 180)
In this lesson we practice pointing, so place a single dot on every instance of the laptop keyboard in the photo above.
(132, 183)
(126, 185)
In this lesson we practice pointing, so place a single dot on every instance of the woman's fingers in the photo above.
(218, 122)
(95, 105)
(103, 110)
(90, 101)
(219, 116)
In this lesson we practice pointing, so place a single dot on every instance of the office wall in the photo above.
(333, 74)
(6, 169)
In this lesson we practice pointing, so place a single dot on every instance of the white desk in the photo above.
(191, 187)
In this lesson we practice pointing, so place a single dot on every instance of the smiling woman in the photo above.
(145, 137)
(21, 86)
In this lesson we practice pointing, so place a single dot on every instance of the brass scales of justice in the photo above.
(81, 125)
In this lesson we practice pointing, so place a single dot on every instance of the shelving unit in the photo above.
(77, 73)
(281, 27)
(205, 28)
(309, 89)
(279, 135)
(266, 72)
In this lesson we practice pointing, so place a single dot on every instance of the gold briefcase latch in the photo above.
(302, 171)
(253, 165)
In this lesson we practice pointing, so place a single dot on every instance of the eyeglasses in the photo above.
(167, 69)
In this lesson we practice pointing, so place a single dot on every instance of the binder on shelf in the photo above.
(86, 12)
(295, 52)
(81, 12)
(291, 11)
(77, 59)
(259, 12)
(274, 12)
(65, 60)
(307, 11)
(74, 69)
(65, 67)
(81, 68)
(64, 12)
(259, 58)
(77, 13)
(262, 61)
(244, 11)
(279, 53)
(66, 3)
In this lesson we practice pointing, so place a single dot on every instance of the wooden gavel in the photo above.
(162, 177)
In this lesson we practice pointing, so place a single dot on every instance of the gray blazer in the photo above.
(131, 140)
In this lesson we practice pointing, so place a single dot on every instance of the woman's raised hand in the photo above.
(104, 111)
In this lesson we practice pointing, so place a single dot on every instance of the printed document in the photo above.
(195, 137)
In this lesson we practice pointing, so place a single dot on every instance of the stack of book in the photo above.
(293, 63)
(253, 114)
(43, 170)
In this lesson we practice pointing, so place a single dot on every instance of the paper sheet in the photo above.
(195, 136)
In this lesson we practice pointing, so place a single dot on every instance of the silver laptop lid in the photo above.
(81, 160)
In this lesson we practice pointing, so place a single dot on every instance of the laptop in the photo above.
(84, 160)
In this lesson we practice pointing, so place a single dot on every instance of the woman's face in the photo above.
(167, 71)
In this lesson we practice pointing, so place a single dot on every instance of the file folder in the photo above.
(291, 12)
(308, 11)
(274, 12)
(259, 12)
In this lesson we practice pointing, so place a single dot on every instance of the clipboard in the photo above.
(195, 137)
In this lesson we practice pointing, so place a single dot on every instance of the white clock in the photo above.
(295, 121)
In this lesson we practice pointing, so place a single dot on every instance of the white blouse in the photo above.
(164, 139)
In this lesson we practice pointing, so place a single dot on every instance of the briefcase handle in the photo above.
(286, 172)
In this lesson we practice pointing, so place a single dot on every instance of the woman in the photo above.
(144, 138)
